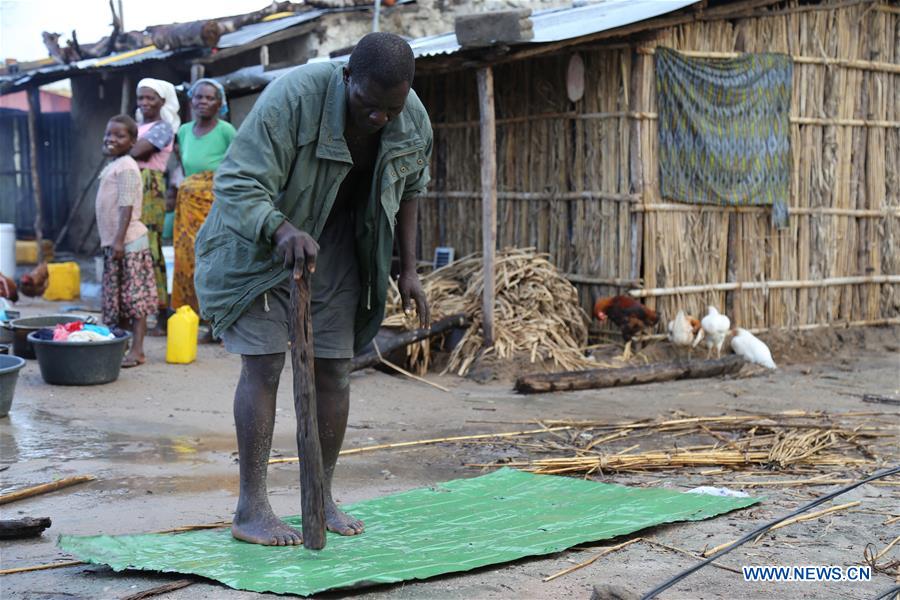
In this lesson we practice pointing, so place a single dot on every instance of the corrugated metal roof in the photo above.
(247, 34)
(57, 71)
(559, 24)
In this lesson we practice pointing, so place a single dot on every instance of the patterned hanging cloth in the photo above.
(724, 130)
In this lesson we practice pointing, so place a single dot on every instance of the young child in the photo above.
(129, 285)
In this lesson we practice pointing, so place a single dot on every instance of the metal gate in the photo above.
(16, 193)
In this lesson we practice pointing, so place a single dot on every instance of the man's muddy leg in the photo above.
(254, 419)
(332, 408)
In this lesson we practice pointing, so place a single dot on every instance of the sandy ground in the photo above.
(160, 440)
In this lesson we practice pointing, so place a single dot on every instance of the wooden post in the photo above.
(34, 112)
(488, 195)
(197, 72)
(312, 473)
(126, 106)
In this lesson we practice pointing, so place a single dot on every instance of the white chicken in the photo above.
(683, 330)
(751, 348)
(716, 327)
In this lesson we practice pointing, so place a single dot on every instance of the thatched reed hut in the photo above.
(580, 179)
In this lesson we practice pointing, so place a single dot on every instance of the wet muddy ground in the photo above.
(160, 442)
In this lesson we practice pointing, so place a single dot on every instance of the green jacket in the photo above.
(287, 162)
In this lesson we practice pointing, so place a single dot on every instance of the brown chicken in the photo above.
(8, 288)
(628, 314)
(35, 283)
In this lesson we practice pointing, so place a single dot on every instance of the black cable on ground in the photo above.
(759, 530)
(888, 593)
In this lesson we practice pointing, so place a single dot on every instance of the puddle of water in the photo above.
(39, 434)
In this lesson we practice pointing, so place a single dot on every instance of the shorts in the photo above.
(263, 327)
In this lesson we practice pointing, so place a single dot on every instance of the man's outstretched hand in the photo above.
(297, 248)
(411, 289)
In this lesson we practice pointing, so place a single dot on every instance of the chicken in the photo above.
(684, 330)
(715, 327)
(35, 283)
(8, 288)
(751, 348)
(628, 314)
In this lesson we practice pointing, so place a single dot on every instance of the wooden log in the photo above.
(186, 35)
(369, 358)
(488, 196)
(44, 488)
(604, 378)
(34, 112)
(15, 529)
(312, 473)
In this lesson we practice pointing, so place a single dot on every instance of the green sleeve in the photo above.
(418, 184)
(257, 166)
(228, 132)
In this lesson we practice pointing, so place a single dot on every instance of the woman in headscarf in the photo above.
(202, 145)
(158, 120)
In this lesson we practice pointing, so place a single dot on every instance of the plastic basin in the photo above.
(21, 328)
(79, 363)
(9, 374)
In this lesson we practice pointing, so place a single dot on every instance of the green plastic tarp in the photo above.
(452, 527)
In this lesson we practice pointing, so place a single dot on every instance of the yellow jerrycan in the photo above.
(64, 281)
(181, 346)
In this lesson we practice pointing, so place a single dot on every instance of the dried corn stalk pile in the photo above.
(794, 440)
(537, 311)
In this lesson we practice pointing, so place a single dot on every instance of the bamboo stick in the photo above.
(161, 589)
(876, 557)
(407, 373)
(797, 519)
(764, 285)
(652, 116)
(459, 438)
(809, 517)
(44, 488)
(59, 565)
(591, 560)
(794, 211)
(584, 195)
(688, 553)
(186, 528)
(888, 8)
(866, 65)
(807, 327)
(846, 122)
(620, 283)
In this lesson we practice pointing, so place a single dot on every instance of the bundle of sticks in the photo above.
(537, 312)
(790, 441)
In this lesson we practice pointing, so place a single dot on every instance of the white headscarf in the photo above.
(166, 91)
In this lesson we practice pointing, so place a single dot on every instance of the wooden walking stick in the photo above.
(312, 474)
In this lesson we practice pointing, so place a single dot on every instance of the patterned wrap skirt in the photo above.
(195, 199)
(153, 215)
(129, 286)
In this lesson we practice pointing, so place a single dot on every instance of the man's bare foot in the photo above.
(340, 522)
(265, 529)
